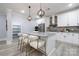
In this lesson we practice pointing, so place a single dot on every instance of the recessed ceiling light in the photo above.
(70, 4)
(22, 11)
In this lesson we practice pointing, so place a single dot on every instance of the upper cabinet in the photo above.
(72, 18)
(63, 20)
(78, 17)
(69, 18)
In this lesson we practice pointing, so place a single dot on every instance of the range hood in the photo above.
(53, 21)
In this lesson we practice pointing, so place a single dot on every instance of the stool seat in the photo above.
(35, 43)
(25, 40)
(25, 35)
(32, 37)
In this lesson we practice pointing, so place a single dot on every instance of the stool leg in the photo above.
(21, 46)
(18, 44)
(26, 51)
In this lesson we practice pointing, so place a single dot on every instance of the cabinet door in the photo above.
(68, 38)
(72, 18)
(62, 20)
(46, 23)
(65, 19)
(75, 39)
(78, 38)
(71, 38)
(77, 17)
(60, 36)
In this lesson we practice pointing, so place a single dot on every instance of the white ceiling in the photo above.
(54, 8)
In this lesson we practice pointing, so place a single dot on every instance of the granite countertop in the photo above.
(68, 32)
(70, 29)
(41, 33)
(47, 33)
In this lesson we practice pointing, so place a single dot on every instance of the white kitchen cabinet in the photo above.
(62, 20)
(68, 37)
(72, 18)
(60, 36)
(77, 17)
(78, 37)
(75, 38)
(69, 19)
(72, 38)
(47, 23)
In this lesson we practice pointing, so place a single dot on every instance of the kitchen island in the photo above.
(47, 37)
(52, 37)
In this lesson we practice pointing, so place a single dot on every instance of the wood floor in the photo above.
(63, 49)
(13, 50)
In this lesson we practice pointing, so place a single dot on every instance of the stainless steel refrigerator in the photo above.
(41, 27)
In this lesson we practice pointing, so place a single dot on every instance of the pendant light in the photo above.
(29, 17)
(41, 12)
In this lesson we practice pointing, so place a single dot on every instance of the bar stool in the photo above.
(35, 42)
(20, 40)
(24, 42)
(32, 38)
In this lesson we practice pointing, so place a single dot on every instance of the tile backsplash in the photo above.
(63, 29)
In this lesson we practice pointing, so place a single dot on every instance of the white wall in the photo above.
(28, 26)
(9, 26)
(18, 19)
(2, 26)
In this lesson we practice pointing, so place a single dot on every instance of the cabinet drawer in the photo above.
(60, 36)
(76, 38)
(69, 39)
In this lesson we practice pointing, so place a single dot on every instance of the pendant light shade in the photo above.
(29, 17)
(41, 12)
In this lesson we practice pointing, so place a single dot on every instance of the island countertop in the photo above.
(41, 33)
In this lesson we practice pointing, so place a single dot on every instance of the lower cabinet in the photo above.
(76, 38)
(67, 45)
(72, 38)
